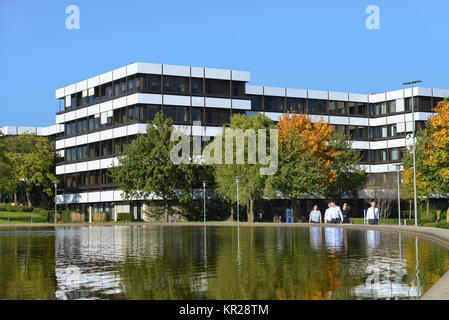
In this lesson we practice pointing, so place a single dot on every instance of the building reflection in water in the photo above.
(334, 239)
(315, 237)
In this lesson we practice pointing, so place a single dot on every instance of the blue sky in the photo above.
(298, 44)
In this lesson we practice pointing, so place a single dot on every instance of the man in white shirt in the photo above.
(328, 213)
(372, 214)
(337, 215)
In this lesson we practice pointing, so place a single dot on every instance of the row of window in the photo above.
(94, 150)
(143, 113)
(155, 84)
(89, 179)
(381, 155)
(313, 106)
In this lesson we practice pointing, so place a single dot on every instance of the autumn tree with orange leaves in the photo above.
(306, 158)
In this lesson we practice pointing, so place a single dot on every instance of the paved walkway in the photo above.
(439, 291)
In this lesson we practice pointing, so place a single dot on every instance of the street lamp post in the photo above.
(204, 200)
(237, 180)
(415, 200)
(398, 168)
(56, 205)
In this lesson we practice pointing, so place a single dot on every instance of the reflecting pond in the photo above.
(196, 262)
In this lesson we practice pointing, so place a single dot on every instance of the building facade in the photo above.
(100, 116)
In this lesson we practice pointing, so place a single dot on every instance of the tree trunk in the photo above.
(166, 212)
(251, 211)
(27, 192)
(15, 199)
(427, 207)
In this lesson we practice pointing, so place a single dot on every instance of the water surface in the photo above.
(195, 262)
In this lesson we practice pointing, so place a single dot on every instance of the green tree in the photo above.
(252, 184)
(31, 160)
(350, 176)
(146, 171)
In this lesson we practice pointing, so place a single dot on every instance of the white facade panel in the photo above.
(81, 113)
(105, 106)
(70, 168)
(338, 96)
(218, 103)
(394, 95)
(93, 110)
(338, 120)
(119, 103)
(93, 82)
(93, 165)
(119, 73)
(60, 169)
(274, 91)
(441, 93)
(70, 89)
(145, 98)
(60, 144)
(106, 163)
(317, 94)
(172, 70)
(424, 92)
(375, 145)
(106, 77)
(400, 105)
(374, 122)
(107, 196)
(81, 139)
(379, 168)
(70, 142)
(211, 73)
(81, 167)
(198, 131)
(119, 132)
(375, 98)
(197, 72)
(93, 137)
(176, 100)
(395, 119)
(149, 68)
(69, 116)
(258, 90)
(60, 118)
(356, 121)
(364, 145)
(409, 126)
(240, 75)
(213, 131)
(241, 104)
(357, 97)
(275, 116)
(396, 143)
(198, 101)
(400, 127)
(106, 134)
(296, 93)
(94, 197)
(316, 118)
(80, 86)
(59, 93)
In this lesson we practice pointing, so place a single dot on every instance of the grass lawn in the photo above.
(20, 217)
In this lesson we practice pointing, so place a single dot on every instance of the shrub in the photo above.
(100, 217)
(125, 216)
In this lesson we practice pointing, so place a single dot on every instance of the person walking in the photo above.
(337, 216)
(315, 215)
(328, 213)
(372, 214)
(346, 212)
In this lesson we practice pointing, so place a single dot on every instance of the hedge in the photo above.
(10, 208)
(125, 216)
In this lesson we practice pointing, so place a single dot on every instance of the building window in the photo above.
(182, 114)
(151, 112)
(393, 130)
(384, 132)
(395, 154)
(197, 86)
(295, 105)
(182, 85)
(169, 84)
(238, 88)
(153, 83)
(273, 103)
(256, 102)
(216, 87)
(197, 114)
(391, 106)
(217, 116)
(169, 112)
